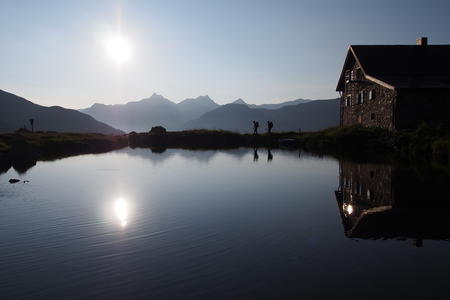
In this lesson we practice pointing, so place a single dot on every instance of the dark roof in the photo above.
(402, 66)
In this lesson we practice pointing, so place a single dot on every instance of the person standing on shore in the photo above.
(269, 127)
(255, 127)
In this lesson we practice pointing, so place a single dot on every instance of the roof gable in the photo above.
(403, 66)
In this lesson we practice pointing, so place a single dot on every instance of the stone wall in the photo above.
(376, 112)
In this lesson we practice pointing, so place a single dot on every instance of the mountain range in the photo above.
(203, 113)
(15, 113)
(310, 116)
(153, 111)
(272, 105)
(194, 113)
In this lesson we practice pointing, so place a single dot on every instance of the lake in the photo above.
(223, 225)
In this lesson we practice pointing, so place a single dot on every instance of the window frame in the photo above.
(361, 97)
(347, 76)
(372, 94)
(348, 100)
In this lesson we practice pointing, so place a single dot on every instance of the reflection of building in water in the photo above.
(381, 201)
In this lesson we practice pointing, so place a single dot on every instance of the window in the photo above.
(359, 188)
(347, 76)
(372, 116)
(348, 100)
(346, 183)
(361, 97)
(372, 94)
(353, 75)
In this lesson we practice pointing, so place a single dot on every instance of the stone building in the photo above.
(395, 86)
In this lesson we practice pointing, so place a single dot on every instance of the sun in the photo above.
(118, 49)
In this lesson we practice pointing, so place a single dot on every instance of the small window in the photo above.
(372, 116)
(348, 100)
(353, 75)
(361, 97)
(347, 76)
(346, 183)
(372, 94)
(359, 188)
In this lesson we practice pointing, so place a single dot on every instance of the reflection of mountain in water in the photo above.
(207, 155)
(4, 166)
(198, 155)
(382, 201)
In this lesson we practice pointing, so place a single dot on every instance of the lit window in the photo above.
(347, 76)
(353, 75)
(372, 94)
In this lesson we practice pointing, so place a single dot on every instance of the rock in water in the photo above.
(13, 180)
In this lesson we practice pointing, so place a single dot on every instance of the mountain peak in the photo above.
(204, 98)
(155, 95)
(96, 104)
(157, 98)
(239, 101)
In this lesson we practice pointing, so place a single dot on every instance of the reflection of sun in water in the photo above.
(121, 210)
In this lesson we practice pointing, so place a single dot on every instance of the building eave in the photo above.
(380, 82)
(351, 51)
(341, 78)
(343, 71)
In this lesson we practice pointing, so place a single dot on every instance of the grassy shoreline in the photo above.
(25, 148)
(354, 143)
(357, 142)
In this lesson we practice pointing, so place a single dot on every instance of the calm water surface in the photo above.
(219, 225)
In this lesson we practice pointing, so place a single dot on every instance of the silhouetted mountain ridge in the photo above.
(156, 110)
(310, 116)
(272, 105)
(193, 108)
(16, 111)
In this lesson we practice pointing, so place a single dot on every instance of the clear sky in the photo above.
(54, 52)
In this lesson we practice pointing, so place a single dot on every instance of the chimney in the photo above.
(422, 41)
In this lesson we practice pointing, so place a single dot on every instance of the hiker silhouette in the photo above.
(269, 126)
(255, 127)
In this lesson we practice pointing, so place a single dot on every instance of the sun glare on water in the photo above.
(121, 210)
(118, 49)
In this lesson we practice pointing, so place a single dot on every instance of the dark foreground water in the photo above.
(223, 225)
